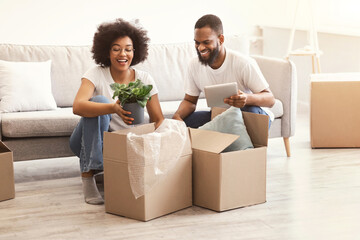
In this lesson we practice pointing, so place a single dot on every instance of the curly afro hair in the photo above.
(107, 33)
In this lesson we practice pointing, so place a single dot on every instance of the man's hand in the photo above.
(186, 107)
(238, 100)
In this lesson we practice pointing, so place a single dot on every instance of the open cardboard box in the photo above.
(7, 186)
(334, 121)
(173, 192)
(223, 181)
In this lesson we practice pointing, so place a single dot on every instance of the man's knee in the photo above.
(197, 119)
(253, 109)
(99, 99)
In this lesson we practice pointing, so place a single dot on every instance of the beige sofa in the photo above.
(45, 134)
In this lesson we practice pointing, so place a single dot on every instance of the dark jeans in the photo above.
(199, 118)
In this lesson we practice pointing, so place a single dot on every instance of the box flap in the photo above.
(4, 148)
(257, 126)
(114, 147)
(187, 148)
(210, 141)
(216, 111)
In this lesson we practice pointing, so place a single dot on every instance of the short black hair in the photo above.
(212, 21)
(107, 33)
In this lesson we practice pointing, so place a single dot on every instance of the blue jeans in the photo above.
(199, 118)
(86, 141)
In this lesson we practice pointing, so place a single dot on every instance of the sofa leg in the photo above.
(287, 146)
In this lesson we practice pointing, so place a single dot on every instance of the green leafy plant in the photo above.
(134, 92)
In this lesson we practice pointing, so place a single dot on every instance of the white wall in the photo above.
(337, 16)
(338, 25)
(341, 53)
(73, 22)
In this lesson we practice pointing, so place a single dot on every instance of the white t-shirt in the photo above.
(101, 78)
(237, 68)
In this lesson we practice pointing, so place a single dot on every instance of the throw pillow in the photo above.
(231, 121)
(25, 86)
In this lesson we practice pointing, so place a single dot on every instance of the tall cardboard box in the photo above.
(7, 186)
(223, 181)
(335, 119)
(172, 193)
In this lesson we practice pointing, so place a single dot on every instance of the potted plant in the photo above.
(133, 98)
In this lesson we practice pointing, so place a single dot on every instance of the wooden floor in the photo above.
(315, 194)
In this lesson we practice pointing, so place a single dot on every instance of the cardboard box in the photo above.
(334, 115)
(172, 193)
(223, 181)
(7, 186)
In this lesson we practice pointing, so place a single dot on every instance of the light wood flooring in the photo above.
(315, 194)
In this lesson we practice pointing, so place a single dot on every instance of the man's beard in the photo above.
(213, 55)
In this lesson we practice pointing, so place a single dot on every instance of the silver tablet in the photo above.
(215, 94)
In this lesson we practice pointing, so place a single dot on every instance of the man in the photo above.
(216, 65)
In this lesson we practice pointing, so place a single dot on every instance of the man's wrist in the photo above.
(177, 116)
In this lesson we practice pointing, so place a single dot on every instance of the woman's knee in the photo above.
(100, 99)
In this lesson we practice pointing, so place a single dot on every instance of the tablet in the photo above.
(215, 94)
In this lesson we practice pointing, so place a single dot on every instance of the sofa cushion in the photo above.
(167, 64)
(277, 109)
(62, 121)
(59, 122)
(25, 86)
(169, 107)
(231, 121)
(69, 63)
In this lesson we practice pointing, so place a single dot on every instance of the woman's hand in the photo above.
(122, 113)
(154, 110)
(158, 123)
(238, 100)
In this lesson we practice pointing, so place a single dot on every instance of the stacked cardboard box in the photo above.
(334, 115)
(7, 187)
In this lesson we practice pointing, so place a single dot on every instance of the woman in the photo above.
(117, 46)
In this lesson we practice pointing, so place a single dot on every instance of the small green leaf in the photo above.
(133, 92)
(142, 103)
